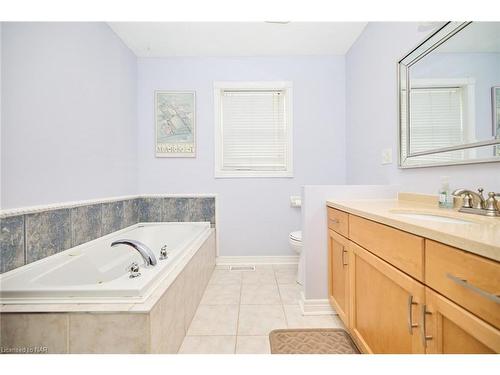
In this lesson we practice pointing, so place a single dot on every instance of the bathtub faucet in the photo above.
(146, 253)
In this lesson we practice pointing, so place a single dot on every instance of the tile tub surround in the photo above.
(47, 233)
(11, 243)
(159, 325)
(112, 217)
(33, 234)
(86, 224)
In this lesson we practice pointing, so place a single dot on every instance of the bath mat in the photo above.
(312, 341)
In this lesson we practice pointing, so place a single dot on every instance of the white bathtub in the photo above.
(96, 272)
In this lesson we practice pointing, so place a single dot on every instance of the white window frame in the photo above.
(219, 87)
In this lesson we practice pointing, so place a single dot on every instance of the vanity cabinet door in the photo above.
(385, 305)
(338, 285)
(452, 330)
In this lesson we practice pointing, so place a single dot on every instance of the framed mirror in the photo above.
(449, 97)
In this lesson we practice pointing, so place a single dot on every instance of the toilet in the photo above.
(295, 240)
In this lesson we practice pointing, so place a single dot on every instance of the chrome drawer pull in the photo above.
(467, 285)
(343, 261)
(423, 326)
(411, 325)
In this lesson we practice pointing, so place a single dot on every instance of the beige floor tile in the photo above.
(208, 345)
(295, 319)
(290, 293)
(218, 294)
(259, 276)
(286, 276)
(252, 345)
(225, 277)
(260, 294)
(217, 320)
(260, 319)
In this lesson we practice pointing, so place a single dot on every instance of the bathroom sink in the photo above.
(432, 218)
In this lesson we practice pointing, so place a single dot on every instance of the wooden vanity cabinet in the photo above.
(338, 221)
(385, 305)
(400, 293)
(450, 329)
(471, 281)
(338, 266)
(403, 250)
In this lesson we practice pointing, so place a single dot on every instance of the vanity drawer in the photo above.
(403, 250)
(338, 221)
(467, 279)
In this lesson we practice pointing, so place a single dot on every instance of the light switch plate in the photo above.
(387, 156)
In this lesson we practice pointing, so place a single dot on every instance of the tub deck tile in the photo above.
(176, 209)
(86, 224)
(150, 209)
(48, 331)
(108, 333)
(47, 233)
(112, 217)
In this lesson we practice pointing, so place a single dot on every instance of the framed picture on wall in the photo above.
(175, 124)
(495, 100)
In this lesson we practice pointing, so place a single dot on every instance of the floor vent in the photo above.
(241, 268)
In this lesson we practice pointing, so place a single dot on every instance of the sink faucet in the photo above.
(471, 198)
(475, 203)
(146, 253)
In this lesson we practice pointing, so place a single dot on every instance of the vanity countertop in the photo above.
(478, 234)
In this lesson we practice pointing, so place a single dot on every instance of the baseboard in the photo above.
(230, 260)
(316, 306)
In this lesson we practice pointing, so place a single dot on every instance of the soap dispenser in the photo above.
(445, 197)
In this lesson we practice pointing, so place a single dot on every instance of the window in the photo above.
(253, 136)
(437, 118)
(441, 115)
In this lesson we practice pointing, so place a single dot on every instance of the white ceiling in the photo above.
(166, 39)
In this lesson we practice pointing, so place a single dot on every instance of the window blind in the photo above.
(254, 130)
(437, 120)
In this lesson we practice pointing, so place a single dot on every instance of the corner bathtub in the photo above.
(95, 272)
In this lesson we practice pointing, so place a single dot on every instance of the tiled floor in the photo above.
(240, 308)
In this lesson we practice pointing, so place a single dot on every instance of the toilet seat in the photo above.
(296, 236)
(295, 241)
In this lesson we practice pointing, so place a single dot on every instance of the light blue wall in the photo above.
(78, 118)
(68, 113)
(371, 116)
(77, 123)
(254, 214)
